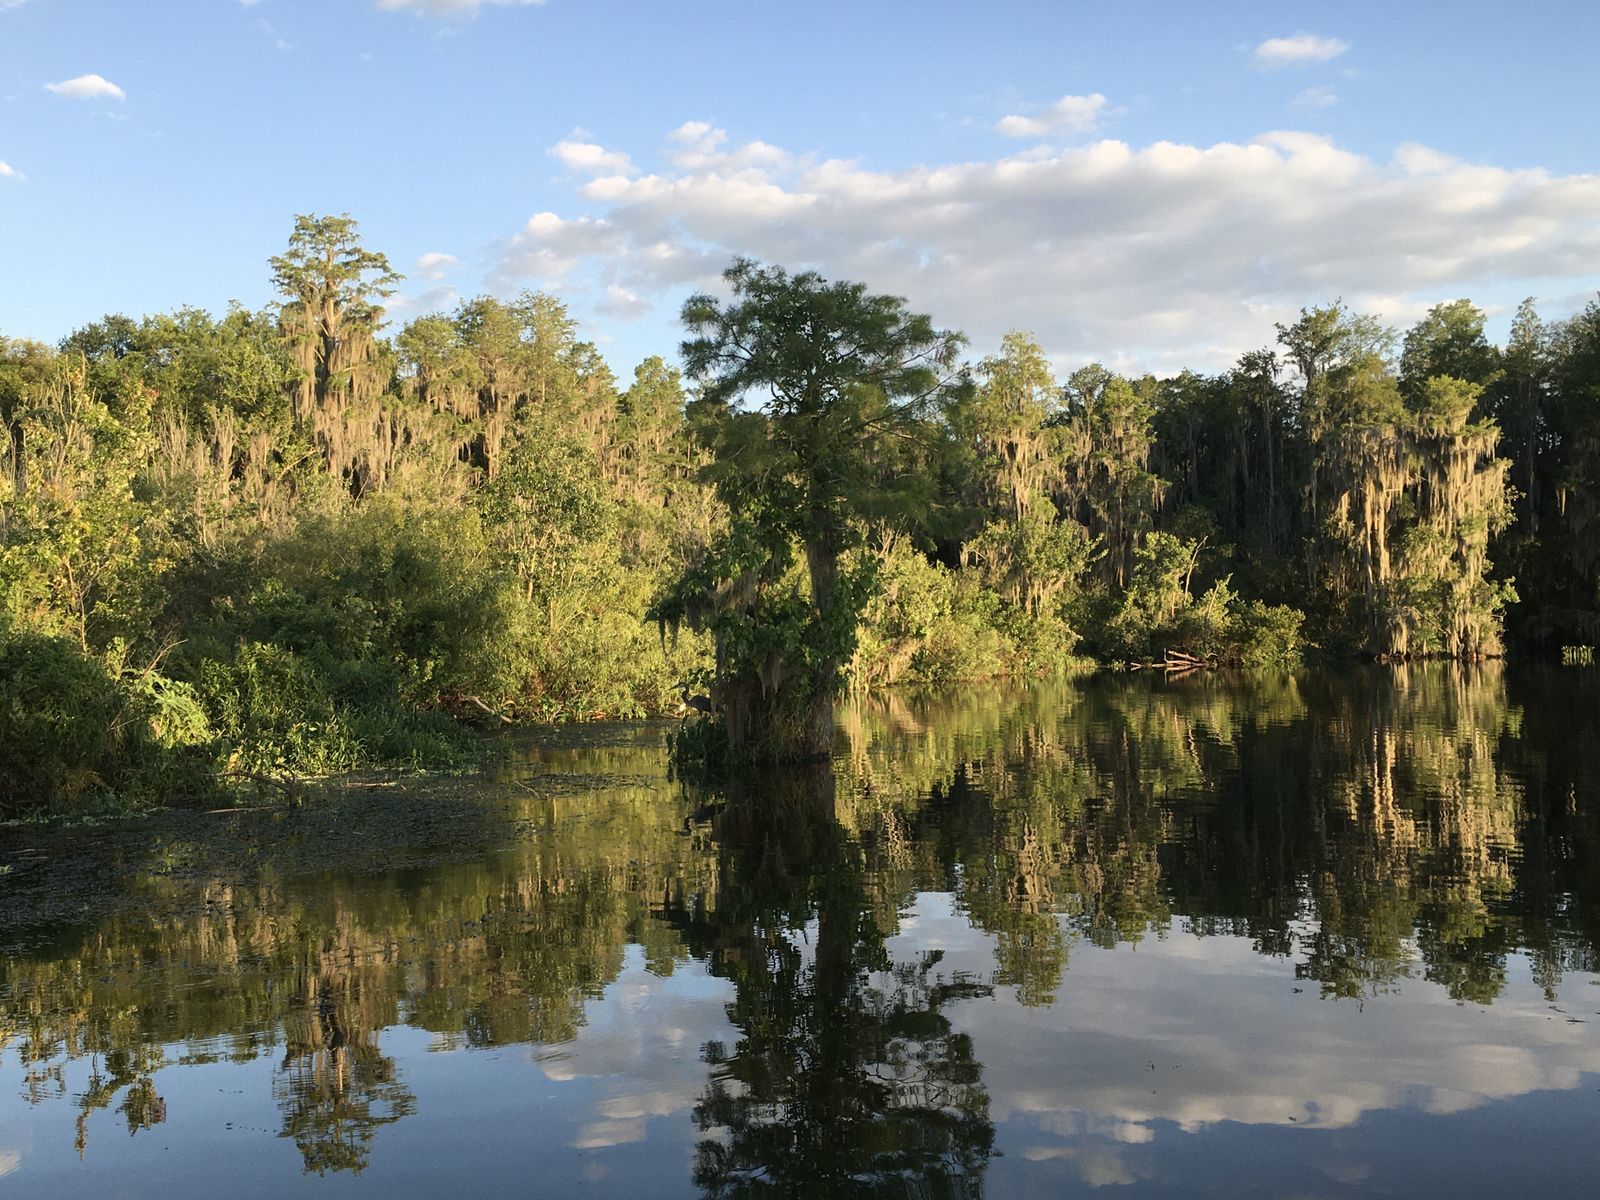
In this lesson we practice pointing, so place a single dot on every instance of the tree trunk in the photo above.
(822, 564)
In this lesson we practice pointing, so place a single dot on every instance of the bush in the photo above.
(350, 641)
(1269, 634)
(1157, 614)
(931, 625)
(77, 739)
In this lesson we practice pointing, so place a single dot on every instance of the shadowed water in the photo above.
(1326, 935)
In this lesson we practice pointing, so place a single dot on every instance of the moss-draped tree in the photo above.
(334, 290)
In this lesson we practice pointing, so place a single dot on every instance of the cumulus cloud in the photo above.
(1255, 1062)
(1075, 114)
(1298, 48)
(550, 248)
(434, 264)
(86, 87)
(7, 171)
(448, 8)
(1158, 256)
(592, 159)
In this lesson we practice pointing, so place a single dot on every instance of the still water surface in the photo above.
(1329, 935)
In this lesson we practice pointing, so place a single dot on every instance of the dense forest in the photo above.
(300, 540)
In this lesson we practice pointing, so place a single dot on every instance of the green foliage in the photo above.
(840, 376)
(1269, 634)
(1160, 617)
(277, 710)
(77, 739)
(544, 510)
(337, 644)
(1449, 341)
(927, 624)
(337, 545)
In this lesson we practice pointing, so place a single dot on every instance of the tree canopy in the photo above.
(302, 539)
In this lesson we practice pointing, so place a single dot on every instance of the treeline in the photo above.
(293, 540)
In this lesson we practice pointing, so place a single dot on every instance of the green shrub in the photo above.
(932, 625)
(1269, 634)
(277, 710)
(75, 739)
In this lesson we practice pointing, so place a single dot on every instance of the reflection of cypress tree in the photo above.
(1366, 820)
(1377, 825)
(847, 1078)
(335, 1089)
(1555, 894)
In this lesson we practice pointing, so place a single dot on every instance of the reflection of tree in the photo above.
(847, 1078)
(1374, 824)
(1418, 833)
(334, 1088)
(1375, 827)
(126, 1072)
(491, 951)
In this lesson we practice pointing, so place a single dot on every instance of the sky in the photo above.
(1151, 185)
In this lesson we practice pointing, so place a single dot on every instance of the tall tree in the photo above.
(1460, 503)
(1451, 341)
(834, 374)
(1108, 480)
(1026, 551)
(649, 421)
(1009, 418)
(1521, 408)
(1255, 384)
(334, 290)
(1575, 471)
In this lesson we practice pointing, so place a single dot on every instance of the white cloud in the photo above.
(448, 8)
(621, 303)
(266, 28)
(1249, 1053)
(1158, 256)
(592, 159)
(1077, 114)
(1316, 97)
(697, 131)
(7, 171)
(1298, 48)
(86, 87)
(550, 249)
(435, 264)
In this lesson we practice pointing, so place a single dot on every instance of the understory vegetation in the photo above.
(298, 541)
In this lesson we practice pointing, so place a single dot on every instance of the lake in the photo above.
(1329, 934)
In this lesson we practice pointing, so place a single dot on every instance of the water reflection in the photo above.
(1345, 896)
(847, 1077)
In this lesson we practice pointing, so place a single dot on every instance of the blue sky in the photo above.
(1149, 184)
